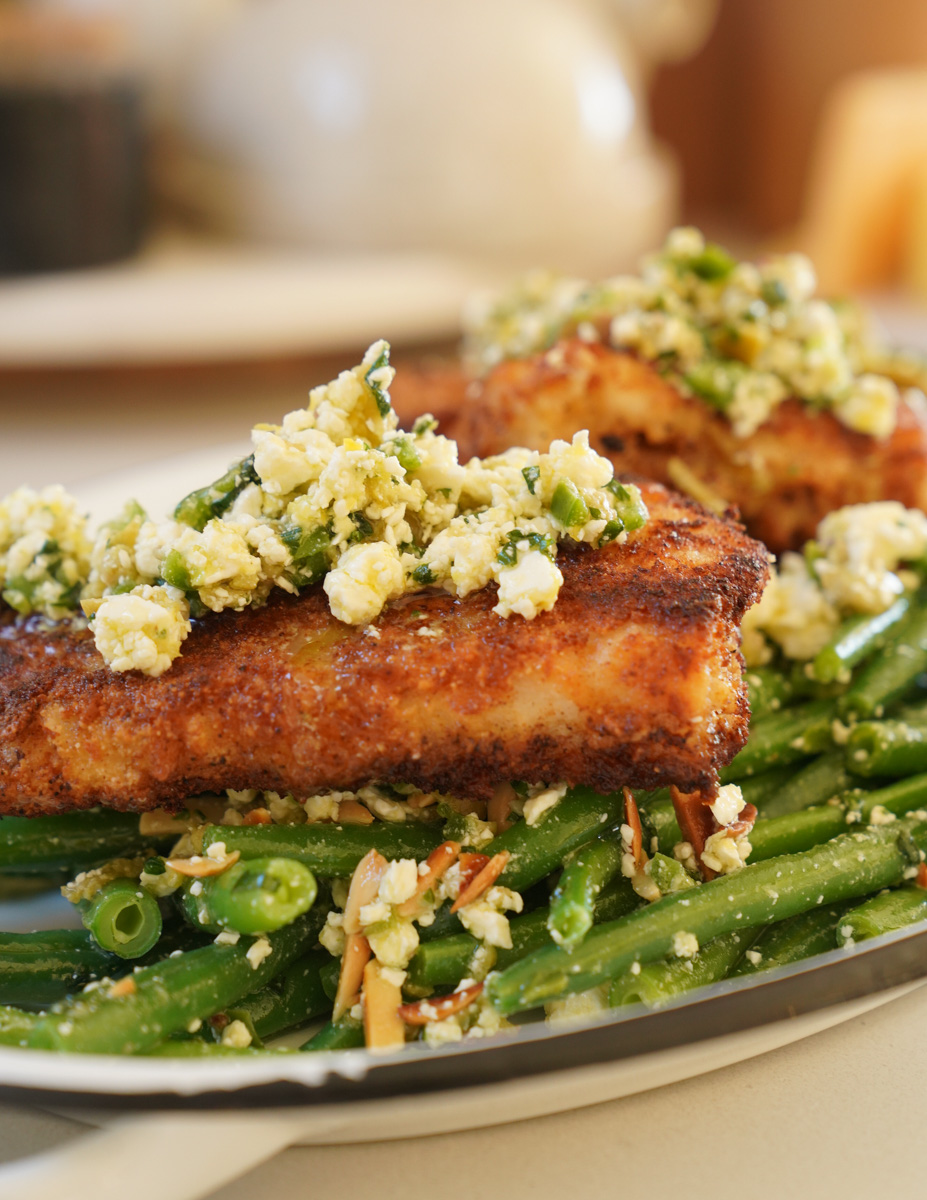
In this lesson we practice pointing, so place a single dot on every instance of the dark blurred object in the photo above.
(743, 113)
(72, 161)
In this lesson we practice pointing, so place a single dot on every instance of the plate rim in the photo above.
(343, 1078)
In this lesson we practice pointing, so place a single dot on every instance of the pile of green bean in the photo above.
(836, 764)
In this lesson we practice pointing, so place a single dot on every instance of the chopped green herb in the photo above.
(532, 475)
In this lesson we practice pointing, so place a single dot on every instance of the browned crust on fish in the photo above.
(784, 478)
(633, 678)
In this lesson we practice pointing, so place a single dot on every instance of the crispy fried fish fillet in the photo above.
(784, 478)
(633, 678)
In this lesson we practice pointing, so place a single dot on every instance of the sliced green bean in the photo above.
(74, 842)
(798, 831)
(37, 969)
(851, 865)
(657, 983)
(328, 850)
(768, 691)
(294, 997)
(791, 941)
(891, 674)
(537, 850)
(883, 914)
(123, 918)
(346, 1033)
(784, 738)
(255, 895)
(572, 906)
(823, 779)
(169, 995)
(765, 791)
(858, 637)
(892, 748)
(905, 796)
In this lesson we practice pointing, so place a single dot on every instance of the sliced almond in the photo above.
(632, 818)
(350, 812)
(383, 1026)
(483, 881)
(696, 820)
(201, 866)
(257, 816)
(424, 1011)
(365, 883)
(355, 958)
(123, 987)
(159, 822)
(501, 804)
(422, 799)
(921, 880)
(438, 862)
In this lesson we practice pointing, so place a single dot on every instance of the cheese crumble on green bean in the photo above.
(336, 494)
(741, 336)
(854, 565)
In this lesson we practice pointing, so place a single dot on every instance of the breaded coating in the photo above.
(634, 677)
(784, 478)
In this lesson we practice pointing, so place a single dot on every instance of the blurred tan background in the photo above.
(207, 206)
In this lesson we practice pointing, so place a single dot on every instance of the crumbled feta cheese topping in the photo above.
(741, 336)
(537, 806)
(236, 1035)
(335, 493)
(728, 804)
(851, 567)
(44, 551)
(258, 951)
(685, 945)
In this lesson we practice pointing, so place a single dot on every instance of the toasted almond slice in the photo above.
(921, 879)
(422, 800)
(383, 1026)
(159, 822)
(746, 819)
(501, 804)
(470, 866)
(438, 862)
(696, 820)
(123, 987)
(483, 881)
(632, 818)
(350, 812)
(355, 957)
(202, 867)
(257, 816)
(365, 883)
(424, 1011)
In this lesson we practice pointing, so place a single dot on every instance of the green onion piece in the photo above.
(384, 408)
(424, 574)
(568, 506)
(532, 475)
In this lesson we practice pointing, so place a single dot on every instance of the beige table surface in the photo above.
(840, 1114)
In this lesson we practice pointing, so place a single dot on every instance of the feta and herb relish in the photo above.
(337, 494)
(741, 336)
(854, 565)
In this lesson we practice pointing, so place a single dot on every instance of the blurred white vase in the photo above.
(508, 130)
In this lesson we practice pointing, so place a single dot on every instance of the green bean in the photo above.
(255, 895)
(537, 850)
(123, 918)
(657, 983)
(821, 780)
(786, 737)
(892, 748)
(447, 961)
(795, 832)
(171, 994)
(905, 796)
(74, 842)
(890, 675)
(37, 969)
(294, 997)
(883, 914)
(764, 791)
(851, 865)
(197, 1048)
(16, 1026)
(859, 636)
(584, 875)
(768, 691)
(791, 941)
(328, 850)
(346, 1033)
(658, 818)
